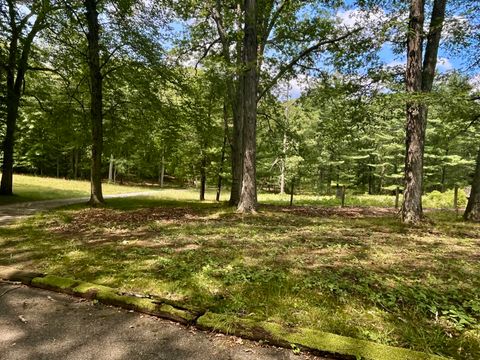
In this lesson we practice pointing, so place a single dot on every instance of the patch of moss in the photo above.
(86, 287)
(108, 296)
(246, 328)
(52, 282)
(342, 345)
(172, 313)
(315, 340)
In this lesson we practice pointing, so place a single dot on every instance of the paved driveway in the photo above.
(37, 324)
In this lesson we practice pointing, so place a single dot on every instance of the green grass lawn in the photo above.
(35, 188)
(352, 271)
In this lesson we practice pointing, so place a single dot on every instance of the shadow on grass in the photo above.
(366, 275)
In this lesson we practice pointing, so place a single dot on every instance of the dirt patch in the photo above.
(346, 212)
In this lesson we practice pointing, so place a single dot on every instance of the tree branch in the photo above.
(300, 56)
(206, 51)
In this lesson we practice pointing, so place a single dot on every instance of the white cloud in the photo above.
(395, 63)
(475, 83)
(444, 64)
(359, 18)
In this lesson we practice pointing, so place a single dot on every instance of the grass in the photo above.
(354, 271)
(36, 188)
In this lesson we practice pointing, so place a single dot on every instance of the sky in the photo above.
(447, 61)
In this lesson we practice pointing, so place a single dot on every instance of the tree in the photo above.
(419, 78)
(22, 35)
(472, 211)
(248, 196)
(96, 100)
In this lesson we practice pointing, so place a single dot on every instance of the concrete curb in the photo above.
(318, 342)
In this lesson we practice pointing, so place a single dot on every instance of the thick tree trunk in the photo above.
(238, 112)
(248, 197)
(415, 129)
(96, 105)
(419, 79)
(17, 62)
(6, 186)
(472, 212)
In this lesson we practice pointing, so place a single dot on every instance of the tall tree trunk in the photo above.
(75, 163)
(6, 186)
(472, 212)
(203, 177)
(238, 107)
(96, 105)
(237, 144)
(415, 133)
(110, 168)
(248, 197)
(161, 175)
(283, 164)
(224, 146)
(17, 64)
(419, 78)
(444, 175)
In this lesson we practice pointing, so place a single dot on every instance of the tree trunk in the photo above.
(13, 99)
(283, 164)
(19, 63)
(161, 174)
(203, 178)
(224, 146)
(96, 196)
(110, 169)
(415, 133)
(472, 212)
(248, 197)
(238, 104)
(419, 78)
(292, 190)
(75, 164)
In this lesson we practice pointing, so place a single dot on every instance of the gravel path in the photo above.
(38, 324)
(13, 212)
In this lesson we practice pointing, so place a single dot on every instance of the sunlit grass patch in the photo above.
(35, 188)
(354, 271)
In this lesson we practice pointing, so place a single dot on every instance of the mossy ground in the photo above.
(355, 271)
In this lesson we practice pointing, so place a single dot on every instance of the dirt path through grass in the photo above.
(13, 212)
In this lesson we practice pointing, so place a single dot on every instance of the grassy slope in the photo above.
(352, 272)
(33, 188)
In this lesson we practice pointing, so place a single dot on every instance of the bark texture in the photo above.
(96, 101)
(472, 212)
(248, 196)
(419, 78)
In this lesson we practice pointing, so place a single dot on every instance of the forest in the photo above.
(183, 93)
(248, 102)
